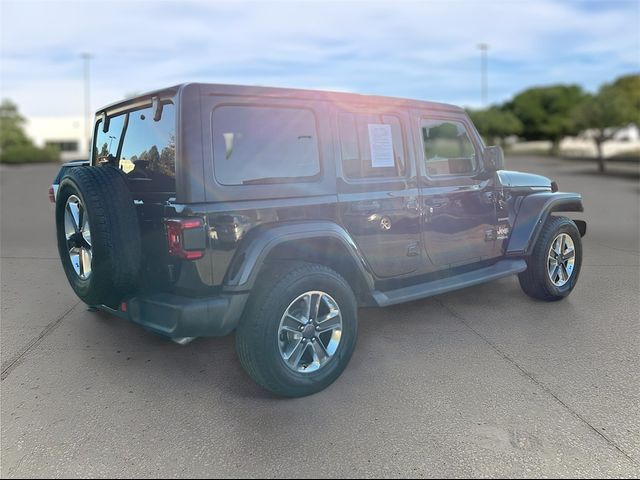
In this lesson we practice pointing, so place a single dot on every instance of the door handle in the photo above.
(412, 204)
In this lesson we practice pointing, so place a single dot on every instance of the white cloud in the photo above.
(417, 49)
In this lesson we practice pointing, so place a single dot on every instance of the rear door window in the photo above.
(264, 145)
(371, 145)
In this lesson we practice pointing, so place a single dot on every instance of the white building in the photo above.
(66, 133)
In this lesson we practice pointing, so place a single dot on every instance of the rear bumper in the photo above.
(177, 316)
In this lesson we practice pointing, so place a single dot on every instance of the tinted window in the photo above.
(349, 142)
(148, 155)
(106, 144)
(447, 148)
(147, 152)
(253, 145)
(356, 131)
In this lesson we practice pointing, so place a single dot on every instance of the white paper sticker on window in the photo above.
(381, 144)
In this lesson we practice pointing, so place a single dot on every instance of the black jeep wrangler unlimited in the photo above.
(277, 213)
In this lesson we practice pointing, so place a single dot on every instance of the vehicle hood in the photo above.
(513, 179)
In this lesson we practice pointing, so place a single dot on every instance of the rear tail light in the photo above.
(185, 237)
(52, 195)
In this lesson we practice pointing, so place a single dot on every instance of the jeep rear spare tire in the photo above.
(98, 234)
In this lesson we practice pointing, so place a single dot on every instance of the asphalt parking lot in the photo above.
(480, 382)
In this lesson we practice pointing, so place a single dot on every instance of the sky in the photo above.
(421, 49)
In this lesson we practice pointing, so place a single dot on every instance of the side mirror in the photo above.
(493, 158)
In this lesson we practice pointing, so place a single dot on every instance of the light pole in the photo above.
(112, 137)
(484, 84)
(86, 57)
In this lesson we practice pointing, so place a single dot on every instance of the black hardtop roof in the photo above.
(278, 92)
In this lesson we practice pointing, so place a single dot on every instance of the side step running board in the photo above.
(499, 269)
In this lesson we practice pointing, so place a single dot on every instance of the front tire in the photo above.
(554, 265)
(299, 331)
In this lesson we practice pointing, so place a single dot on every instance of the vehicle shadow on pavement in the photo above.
(209, 367)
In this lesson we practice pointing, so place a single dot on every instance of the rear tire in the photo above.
(95, 216)
(554, 265)
(267, 335)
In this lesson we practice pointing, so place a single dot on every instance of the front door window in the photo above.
(447, 149)
(458, 210)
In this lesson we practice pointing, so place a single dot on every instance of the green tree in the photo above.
(15, 146)
(104, 151)
(153, 156)
(495, 124)
(546, 112)
(615, 106)
(629, 86)
(11, 127)
(17, 154)
(167, 164)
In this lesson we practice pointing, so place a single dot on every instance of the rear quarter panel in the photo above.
(231, 211)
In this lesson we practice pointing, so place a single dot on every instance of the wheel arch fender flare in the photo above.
(255, 248)
(532, 214)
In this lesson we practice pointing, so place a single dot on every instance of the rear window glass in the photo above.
(105, 149)
(144, 149)
(264, 145)
(371, 145)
